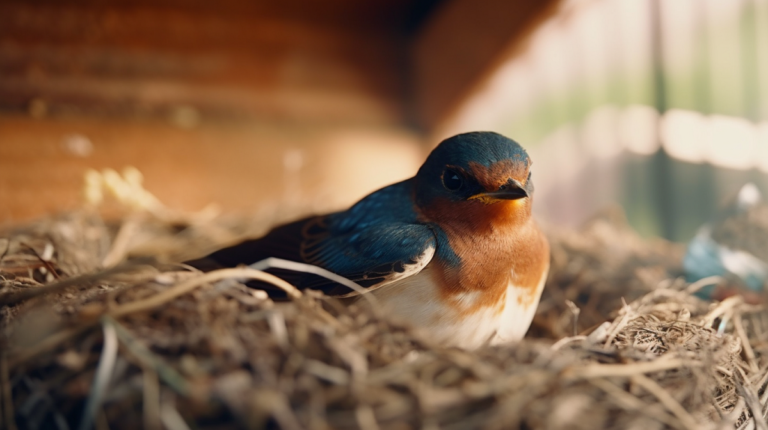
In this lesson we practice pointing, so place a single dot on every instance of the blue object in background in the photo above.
(705, 257)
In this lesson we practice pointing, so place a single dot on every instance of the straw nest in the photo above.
(101, 329)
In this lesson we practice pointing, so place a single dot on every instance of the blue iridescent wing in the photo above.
(372, 256)
(376, 241)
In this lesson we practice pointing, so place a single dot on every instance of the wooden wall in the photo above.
(337, 60)
(207, 98)
(244, 167)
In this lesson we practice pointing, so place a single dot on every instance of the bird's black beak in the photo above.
(512, 190)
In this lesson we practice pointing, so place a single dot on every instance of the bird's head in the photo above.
(475, 178)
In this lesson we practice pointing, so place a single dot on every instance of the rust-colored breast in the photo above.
(499, 245)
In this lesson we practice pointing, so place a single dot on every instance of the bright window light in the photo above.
(684, 135)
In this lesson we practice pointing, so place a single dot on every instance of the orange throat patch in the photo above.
(492, 260)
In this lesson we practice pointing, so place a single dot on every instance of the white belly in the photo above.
(416, 299)
(519, 308)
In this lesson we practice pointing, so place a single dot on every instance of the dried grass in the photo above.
(618, 342)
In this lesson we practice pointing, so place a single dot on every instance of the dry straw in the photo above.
(101, 330)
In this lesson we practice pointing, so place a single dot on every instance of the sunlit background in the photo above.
(659, 106)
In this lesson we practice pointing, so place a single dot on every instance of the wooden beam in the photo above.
(459, 47)
(244, 167)
(251, 59)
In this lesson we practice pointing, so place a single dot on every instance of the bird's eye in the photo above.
(452, 179)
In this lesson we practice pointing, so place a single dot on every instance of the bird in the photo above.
(454, 250)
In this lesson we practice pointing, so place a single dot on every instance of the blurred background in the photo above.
(280, 108)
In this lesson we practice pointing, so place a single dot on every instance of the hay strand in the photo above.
(205, 351)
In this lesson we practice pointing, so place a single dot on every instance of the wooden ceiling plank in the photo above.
(459, 47)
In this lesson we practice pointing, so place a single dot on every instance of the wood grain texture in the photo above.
(334, 80)
(246, 168)
(311, 61)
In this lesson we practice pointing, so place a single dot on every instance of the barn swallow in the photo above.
(453, 250)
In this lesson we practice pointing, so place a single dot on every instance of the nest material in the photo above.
(150, 344)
